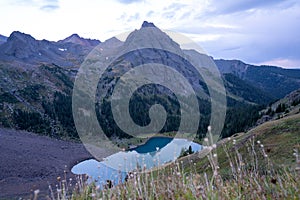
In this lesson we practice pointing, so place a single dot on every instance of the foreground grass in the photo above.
(261, 164)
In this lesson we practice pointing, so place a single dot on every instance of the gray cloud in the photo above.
(129, 1)
(175, 7)
(255, 32)
(49, 7)
(150, 13)
(134, 17)
(168, 15)
(232, 6)
(45, 5)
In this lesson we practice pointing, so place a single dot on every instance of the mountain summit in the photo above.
(76, 39)
(148, 24)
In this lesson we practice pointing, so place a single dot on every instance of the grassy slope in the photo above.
(237, 169)
(279, 137)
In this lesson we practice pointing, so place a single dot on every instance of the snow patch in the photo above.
(61, 49)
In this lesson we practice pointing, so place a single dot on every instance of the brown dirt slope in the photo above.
(29, 162)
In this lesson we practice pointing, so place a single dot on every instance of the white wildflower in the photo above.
(209, 128)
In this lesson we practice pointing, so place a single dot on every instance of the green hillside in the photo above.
(260, 164)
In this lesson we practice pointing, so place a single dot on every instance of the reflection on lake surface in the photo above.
(155, 152)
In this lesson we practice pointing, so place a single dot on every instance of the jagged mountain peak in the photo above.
(17, 35)
(112, 40)
(24, 48)
(76, 39)
(148, 24)
(149, 36)
(74, 36)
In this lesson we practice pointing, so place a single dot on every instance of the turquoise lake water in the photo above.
(155, 152)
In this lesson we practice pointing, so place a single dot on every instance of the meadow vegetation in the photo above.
(263, 163)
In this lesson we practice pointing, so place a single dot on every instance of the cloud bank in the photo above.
(254, 31)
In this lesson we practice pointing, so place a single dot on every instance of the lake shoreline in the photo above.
(159, 135)
(156, 152)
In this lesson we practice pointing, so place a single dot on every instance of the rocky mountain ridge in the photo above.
(37, 76)
(23, 48)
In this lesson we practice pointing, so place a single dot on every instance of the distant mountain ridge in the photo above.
(37, 76)
(24, 48)
(76, 39)
(275, 81)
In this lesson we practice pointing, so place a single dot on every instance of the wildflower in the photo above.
(58, 178)
(265, 155)
(209, 128)
(36, 192)
(258, 142)
(215, 155)
(214, 146)
(262, 146)
(205, 139)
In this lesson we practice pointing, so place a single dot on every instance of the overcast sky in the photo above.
(254, 31)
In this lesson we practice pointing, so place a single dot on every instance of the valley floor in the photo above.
(29, 162)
